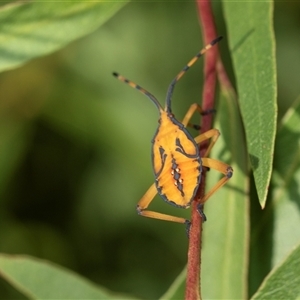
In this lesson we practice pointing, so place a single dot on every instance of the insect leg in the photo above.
(212, 134)
(145, 202)
(222, 168)
(200, 211)
(193, 108)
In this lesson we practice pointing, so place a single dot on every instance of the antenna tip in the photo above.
(218, 39)
(115, 74)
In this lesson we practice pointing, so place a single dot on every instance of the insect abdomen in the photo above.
(179, 187)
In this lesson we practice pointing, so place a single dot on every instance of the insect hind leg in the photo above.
(145, 202)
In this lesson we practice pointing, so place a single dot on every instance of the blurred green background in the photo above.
(75, 143)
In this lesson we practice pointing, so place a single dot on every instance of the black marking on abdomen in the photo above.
(163, 157)
(181, 150)
(176, 175)
(174, 165)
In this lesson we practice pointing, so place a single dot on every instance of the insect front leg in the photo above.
(145, 202)
(193, 108)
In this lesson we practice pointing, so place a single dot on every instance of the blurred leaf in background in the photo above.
(75, 143)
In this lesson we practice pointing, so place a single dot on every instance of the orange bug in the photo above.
(176, 159)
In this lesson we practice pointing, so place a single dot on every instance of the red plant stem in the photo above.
(210, 60)
(193, 286)
(223, 76)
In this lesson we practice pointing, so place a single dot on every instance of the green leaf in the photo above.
(286, 180)
(38, 279)
(177, 289)
(284, 281)
(252, 45)
(30, 29)
(225, 234)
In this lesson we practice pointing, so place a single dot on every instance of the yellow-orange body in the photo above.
(176, 162)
